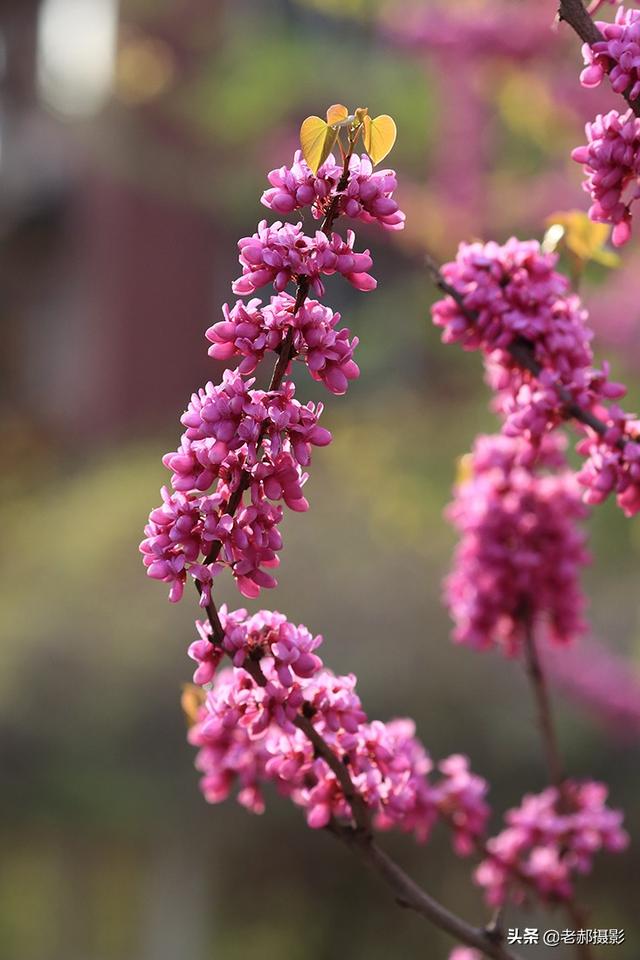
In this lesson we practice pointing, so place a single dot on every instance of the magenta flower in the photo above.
(249, 330)
(512, 294)
(388, 766)
(611, 158)
(617, 54)
(548, 839)
(613, 462)
(521, 550)
(367, 197)
(280, 253)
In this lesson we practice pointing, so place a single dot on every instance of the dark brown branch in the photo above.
(410, 895)
(575, 14)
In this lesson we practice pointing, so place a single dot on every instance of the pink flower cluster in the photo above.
(235, 437)
(512, 294)
(250, 330)
(548, 839)
(266, 633)
(368, 195)
(513, 298)
(520, 551)
(617, 54)
(611, 158)
(247, 734)
(280, 253)
(613, 462)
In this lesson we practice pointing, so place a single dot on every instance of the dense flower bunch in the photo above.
(250, 330)
(549, 839)
(611, 158)
(368, 195)
(279, 253)
(233, 435)
(512, 297)
(520, 549)
(617, 54)
(247, 735)
(512, 293)
(613, 462)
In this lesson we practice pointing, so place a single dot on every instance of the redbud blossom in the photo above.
(611, 158)
(548, 839)
(521, 551)
(368, 195)
(246, 734)
(281, 253)
(617, 54)
(513, 295)
(250, 330)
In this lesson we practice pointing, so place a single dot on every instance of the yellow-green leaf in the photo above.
(317, 139)
(336, 113)
(191, 700)
(379, 136)
(464, 469)
(583, 238)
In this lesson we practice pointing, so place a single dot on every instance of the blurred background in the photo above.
(135, 138)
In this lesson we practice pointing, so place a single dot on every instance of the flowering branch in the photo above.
(278, 715)
(515, 505)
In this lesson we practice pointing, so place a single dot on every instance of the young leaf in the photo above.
(379, 136)
(191, 700)
(337, 113)
(317, 140)
(583, 238)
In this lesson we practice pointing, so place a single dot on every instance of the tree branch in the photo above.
(410, 895)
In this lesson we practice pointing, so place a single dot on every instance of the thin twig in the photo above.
(543, 706)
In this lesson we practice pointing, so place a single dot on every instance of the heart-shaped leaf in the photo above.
(317, 140)
(336, 113)
(379, 136)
